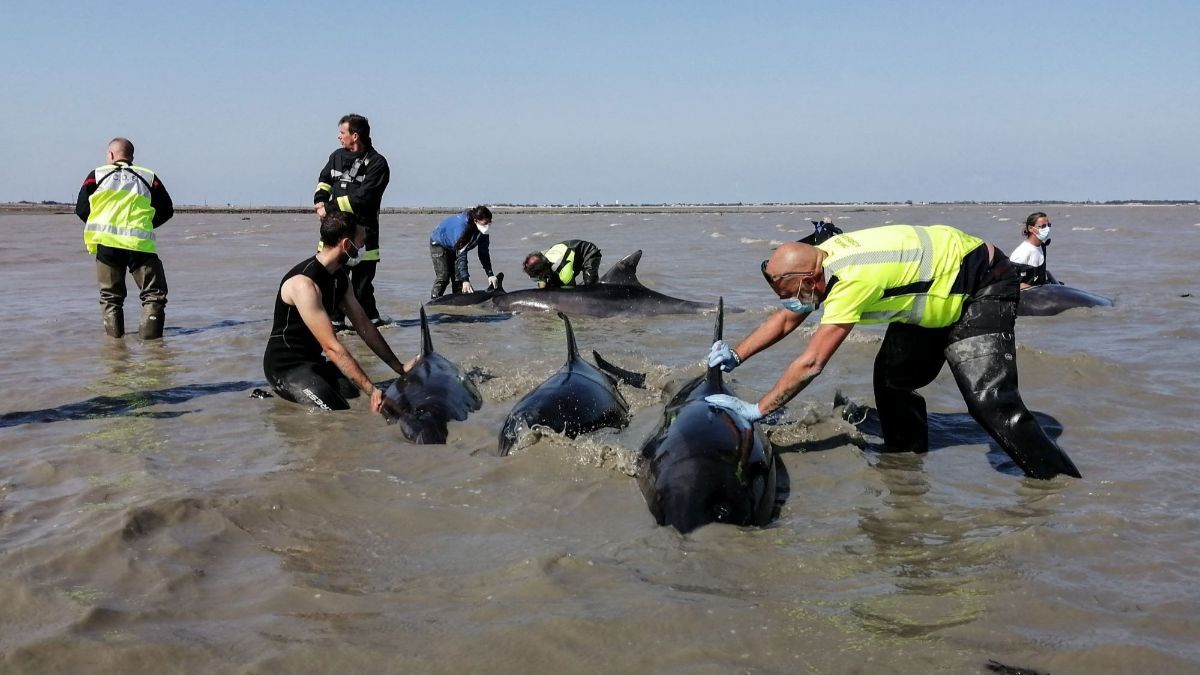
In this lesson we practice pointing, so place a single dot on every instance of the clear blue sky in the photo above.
(539, 102)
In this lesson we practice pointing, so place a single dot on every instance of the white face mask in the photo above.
(1042, 233)
(483, 228)
(353, 260)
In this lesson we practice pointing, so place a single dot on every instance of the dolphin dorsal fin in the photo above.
(500, 282)
(426, 341)
(625, 271)
(714, 379)
(572, 350)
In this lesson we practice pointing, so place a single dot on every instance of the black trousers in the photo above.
(361, 276)
(981, 350)
(316, 385)
(443, 270)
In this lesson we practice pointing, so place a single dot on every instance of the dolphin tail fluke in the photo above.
(572, 349)
(714, 372)
(627, 376)
(426, 341)
(624, 272)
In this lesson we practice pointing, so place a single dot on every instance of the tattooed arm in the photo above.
(821, 347)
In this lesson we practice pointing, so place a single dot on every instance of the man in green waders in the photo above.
(121, 204)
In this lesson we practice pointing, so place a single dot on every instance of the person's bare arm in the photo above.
(303, 294)
(806, 367)
(370, 334)
(776, 327)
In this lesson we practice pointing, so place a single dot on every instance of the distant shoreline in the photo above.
(848, 207)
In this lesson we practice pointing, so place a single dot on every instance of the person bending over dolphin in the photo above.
(569, 263)
(303, 329)
(948, 297)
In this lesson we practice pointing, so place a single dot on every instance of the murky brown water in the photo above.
(154, 518)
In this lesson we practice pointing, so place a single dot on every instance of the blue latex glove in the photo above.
(724, 356)
(747, 410)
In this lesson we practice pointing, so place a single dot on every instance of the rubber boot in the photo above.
(114, 321)
(153, 317)
(985, 368)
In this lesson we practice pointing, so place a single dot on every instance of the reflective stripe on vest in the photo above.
(912, 270)
(121, 215)
(563, 259)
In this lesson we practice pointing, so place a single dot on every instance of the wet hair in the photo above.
(480, 213)
(1032, 220)
(336, 226)
(536, 265)
(357, 125)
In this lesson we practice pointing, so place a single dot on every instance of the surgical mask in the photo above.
(806, 306)
(483, 229)
(353, 260)
(1043, 233)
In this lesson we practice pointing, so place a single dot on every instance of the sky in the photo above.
(612, 102)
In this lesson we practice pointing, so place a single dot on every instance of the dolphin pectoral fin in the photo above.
(627, 376)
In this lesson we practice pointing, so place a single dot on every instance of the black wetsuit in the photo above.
(293, 362)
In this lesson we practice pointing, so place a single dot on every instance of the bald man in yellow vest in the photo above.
(121, 204)
(947, 297)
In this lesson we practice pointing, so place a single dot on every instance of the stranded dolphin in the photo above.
(472, 298)
(618, 292)
(578, 398)
(706, 464)
(1051, 299)
(431, 394)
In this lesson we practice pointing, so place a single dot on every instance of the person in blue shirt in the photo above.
(448, 246)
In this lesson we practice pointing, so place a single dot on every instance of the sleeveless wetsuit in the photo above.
(293, 362)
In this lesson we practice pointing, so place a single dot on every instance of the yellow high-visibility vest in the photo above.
(897, 273)
(121, 215)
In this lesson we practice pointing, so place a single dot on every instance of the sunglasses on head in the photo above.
(776, 278)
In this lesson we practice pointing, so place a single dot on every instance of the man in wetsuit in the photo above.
(302, 329)
(567, 264)
(947, 297)
(353, 182)
(122, 204)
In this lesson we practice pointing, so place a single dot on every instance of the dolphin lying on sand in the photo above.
(1051, 299)
(434, 392)
(618, 293)
(577, 399)
(705, 464)
(472, 298)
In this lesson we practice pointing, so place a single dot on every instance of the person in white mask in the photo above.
(1030, 255)
(304, 362)
(947, 297)
(448, 246)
